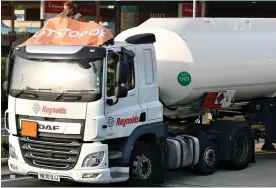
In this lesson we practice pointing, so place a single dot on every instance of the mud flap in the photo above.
(269, 120)
(253, 159)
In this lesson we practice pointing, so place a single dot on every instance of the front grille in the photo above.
(50, 153)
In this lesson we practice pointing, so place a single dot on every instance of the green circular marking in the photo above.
(184, 78)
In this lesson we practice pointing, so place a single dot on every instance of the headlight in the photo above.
(93, 159)
(12, 152)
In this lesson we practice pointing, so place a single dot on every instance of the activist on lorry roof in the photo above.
(72, 12)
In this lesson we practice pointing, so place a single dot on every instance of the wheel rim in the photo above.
(241, 147)
(209, 157)
(142, 167)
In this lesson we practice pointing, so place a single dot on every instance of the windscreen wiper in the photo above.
(23, 91)
(71, 91)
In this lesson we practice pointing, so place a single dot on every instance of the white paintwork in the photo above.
(125, 108)
(11, 111)
(148, 82)
(228, 98)
(64, 127)
(53, 49)
(73, 110)
(77, 172)
(95, 120)
(218, 56)
(143, 98)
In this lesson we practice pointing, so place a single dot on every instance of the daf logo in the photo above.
(36, 108)
(48, 127)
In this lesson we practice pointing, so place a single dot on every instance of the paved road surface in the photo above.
(261, 174)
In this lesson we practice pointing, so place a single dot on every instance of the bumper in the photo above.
(108, 175)
(99, 174)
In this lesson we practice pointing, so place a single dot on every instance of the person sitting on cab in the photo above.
(72, 12)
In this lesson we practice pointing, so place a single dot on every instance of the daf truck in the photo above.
(134, 108)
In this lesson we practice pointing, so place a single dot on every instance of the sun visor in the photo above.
(65, 31)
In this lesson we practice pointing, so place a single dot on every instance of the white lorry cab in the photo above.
(133, 108)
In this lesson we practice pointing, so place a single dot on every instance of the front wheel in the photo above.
(142, 165)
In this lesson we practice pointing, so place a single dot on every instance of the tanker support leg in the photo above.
(268, 146)
(269, 120)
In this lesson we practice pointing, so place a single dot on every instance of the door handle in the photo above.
(132, 94)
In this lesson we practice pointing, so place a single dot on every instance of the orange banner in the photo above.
(65, 31)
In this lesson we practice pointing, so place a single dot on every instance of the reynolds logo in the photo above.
(110, 122)
(126, 121)
(45, 109)
(50, 111)
(36, 108)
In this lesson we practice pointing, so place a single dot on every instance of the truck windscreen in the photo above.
(52, 80)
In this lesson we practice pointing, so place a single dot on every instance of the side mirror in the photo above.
(129, 53)
(8, 64)
(121, 78)
(122, 72)
(121, 92)
(8, 72)
(5, 85)
(84, 64)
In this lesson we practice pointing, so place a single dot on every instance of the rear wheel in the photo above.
(242, 150)
(142, 165)
(208, 160)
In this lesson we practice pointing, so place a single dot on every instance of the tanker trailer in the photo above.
(198, 56)
(224, 66)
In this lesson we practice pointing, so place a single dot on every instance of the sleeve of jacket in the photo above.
(79, 18)
(59, 15)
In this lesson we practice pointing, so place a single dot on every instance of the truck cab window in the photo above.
(111, 72)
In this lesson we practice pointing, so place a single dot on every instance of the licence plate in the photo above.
(49, 177)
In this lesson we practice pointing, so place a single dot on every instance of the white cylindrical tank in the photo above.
(195, 56)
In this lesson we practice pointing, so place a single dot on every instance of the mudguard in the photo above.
(160, 130)
(223, 131)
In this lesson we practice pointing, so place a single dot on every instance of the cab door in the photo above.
(124, 116)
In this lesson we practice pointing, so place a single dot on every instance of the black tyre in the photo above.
(242, 150)
(208, 160)
(142, 165)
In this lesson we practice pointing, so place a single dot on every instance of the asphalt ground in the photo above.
(259, 174)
